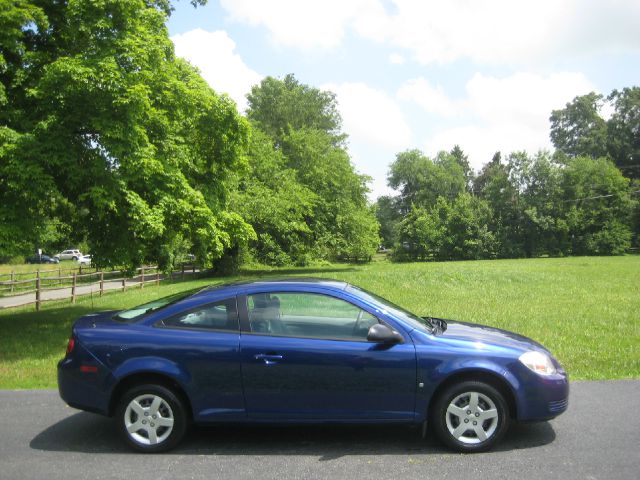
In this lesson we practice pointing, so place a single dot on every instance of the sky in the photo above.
(484, 75)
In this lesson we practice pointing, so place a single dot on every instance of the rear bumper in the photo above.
(80, 390)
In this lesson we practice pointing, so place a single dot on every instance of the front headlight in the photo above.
(538, 362)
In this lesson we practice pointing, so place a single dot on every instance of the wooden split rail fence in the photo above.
(16, 290)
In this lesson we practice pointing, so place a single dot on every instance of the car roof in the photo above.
(274, 284)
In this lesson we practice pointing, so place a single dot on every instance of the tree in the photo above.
(276, 204)
(494, 185)
(279, 106)
(388, 215)
(468, 236)
(578, 129)
(598, 207)
(623, 131)
(449, 230)
(463, 161)
(105, 131)
(422, 180)
(420, 235)
(304, 125)
(327, 171)
(538, 218)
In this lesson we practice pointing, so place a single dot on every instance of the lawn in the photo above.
(586, 310)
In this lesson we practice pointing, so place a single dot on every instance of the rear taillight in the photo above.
(71, 345)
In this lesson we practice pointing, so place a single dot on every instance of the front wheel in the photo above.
(470, 416)
(151, 418)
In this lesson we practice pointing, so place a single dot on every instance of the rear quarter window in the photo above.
(221, 315)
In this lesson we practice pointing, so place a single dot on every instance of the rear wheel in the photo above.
(151, 418)
(470, 416)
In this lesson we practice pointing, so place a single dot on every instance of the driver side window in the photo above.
(308, 315)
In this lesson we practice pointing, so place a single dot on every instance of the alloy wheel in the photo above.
(472, 418)
(149, 419)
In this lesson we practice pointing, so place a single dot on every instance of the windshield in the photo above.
(395, 310)
(137, 312)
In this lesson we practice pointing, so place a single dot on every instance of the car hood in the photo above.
(482, 334)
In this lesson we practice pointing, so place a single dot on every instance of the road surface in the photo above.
(597, 438)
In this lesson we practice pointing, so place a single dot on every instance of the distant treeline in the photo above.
(582, 200)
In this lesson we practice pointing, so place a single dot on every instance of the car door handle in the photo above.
(268, 359)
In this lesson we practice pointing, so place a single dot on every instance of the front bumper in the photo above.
(542, 398)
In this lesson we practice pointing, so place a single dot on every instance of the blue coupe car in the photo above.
(303, 351)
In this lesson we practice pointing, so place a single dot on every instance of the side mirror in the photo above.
(382, 334)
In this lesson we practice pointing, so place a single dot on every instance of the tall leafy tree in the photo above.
(388, 215)
(623, 131)
(598, 207)
(494, 185)
(537, 220)
(463, 160)
(448, 230)
(422, 180)
(579, 129)
(305, 127)
(280, 106)
(270, 197)
(105, 130)
(342, 222)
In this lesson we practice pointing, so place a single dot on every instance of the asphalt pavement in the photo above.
(597, 438)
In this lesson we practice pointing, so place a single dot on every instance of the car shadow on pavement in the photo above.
(89, 433)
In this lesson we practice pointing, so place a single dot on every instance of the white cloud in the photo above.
(496, 31)
(377, 130)
(371, 116)
(483, 31)
(396, 59)
(431, 98)
(304, 24)
(506, 114)
(506, 31)
(523, 98)
(214, 54)
(480, 142)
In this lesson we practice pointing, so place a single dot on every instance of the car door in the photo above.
(305, 357)
(205, 341)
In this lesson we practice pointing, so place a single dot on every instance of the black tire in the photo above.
(468, 426)
(156, 418)
(74, 258)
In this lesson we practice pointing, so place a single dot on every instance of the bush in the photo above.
(13, 260)
(613, 239)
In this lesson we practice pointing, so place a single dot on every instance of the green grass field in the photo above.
(586, 310)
